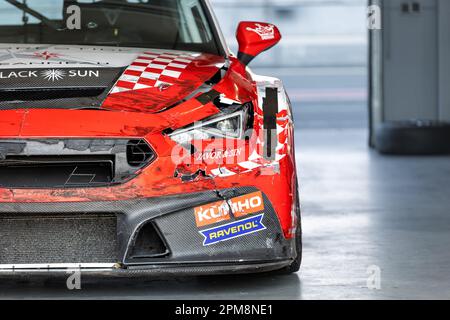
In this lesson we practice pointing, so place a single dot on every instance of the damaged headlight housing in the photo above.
(230, 126)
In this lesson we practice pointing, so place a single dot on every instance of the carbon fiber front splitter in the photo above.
(151, 272)
(247, 244)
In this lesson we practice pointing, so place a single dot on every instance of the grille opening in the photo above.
(58, 238)
(56, 171)
(139, 153)
(148, 244)
(49, 94)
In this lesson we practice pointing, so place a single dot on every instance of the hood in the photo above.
(111, 78)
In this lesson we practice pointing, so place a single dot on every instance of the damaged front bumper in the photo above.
(214, 232)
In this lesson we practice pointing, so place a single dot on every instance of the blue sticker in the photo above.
(233, 230)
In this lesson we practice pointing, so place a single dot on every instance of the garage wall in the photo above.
(411, 60)
(410, 63)
(444, 60)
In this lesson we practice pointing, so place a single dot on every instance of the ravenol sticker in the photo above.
(219, 211)
(233, 230)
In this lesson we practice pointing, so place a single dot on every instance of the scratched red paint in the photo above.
(146, 115)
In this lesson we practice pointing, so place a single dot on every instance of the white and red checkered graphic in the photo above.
(152, 69)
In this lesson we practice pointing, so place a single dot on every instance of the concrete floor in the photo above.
(360, 209)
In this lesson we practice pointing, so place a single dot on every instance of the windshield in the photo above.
(165, 24)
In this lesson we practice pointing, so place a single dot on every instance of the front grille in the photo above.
(53, 239)
(56, 171)
(71, 163)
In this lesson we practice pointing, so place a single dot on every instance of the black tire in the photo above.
(296, 264)
(413, 138)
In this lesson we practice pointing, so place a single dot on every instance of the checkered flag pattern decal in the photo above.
(153, 69)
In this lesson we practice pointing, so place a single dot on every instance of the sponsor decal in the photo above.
(29, 57)
(212, 213)
(60, 56)
(220, 211)
(53, 75)
(50, 74)
(57, 77)
(217, 155)
(233, 230)
(19, 74)
(48, 63)
(265, 32)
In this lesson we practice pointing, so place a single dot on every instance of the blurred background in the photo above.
(317, 33)
(322, 58)
(323, 62)
(362, 211)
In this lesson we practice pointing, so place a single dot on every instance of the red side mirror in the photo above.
(255, 38)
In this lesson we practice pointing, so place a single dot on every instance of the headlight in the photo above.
(230, 126)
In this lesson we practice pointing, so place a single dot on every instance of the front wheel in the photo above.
(295, 266)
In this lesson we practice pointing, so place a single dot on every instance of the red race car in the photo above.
(133, 142)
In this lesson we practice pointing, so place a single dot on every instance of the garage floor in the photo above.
(361, 211)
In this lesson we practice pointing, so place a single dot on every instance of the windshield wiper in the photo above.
(35, 14)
